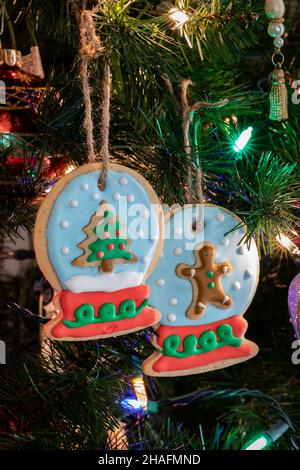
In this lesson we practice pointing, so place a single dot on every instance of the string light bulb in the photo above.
(139, 403)
(140, 391)
(180, 17)
(243, 139)
(267, 438)
(131, 404)
(258, 443)
(69, 169)
(288, 244)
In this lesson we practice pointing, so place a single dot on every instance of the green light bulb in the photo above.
(258, 444)
(243, 139)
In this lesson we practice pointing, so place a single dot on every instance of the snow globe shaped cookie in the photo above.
(203, 284)
(96, 248)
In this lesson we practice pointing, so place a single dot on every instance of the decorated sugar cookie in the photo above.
(203, 284)
(96, 248)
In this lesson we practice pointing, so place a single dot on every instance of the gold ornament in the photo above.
(278, 96)
(10, 57)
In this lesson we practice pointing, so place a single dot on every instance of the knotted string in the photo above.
(105, 126)
(91, 48)
(186, 110)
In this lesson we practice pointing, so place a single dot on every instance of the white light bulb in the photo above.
(285, 241)
(258, 444)
(180, 17)
(243, 139)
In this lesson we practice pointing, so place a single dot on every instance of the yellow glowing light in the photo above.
(285, 241)
(69, 169)
(140, 391)
(234, 119)
(180, 17)
(288, 244)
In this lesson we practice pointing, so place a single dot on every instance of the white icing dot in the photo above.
(173, 301)
(116, 196)
(178, 251)
(178, 230)
(160, 282)
(236, 285)
(65, 250)
(64, 224)
(123, 181)
(84, 186)
(171, 317)
(249, 272)
(145, 259)
(140, 234)
(130, 198)
(74, 203)
(95, 196)
(225, 241)
(162, 254)
(242, 250)
(220, 217)
(145, 213)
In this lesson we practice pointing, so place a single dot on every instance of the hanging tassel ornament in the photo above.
(278, 96)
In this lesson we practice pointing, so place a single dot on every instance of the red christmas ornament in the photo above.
(20, 95)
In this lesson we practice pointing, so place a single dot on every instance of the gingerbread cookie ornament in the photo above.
(203, 284)
(96, 248)
(206, 278)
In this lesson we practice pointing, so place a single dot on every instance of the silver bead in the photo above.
(276, 30)
(274, 8)
(278, 42)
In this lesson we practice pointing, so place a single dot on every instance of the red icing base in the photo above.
(67, 302)
(159, 364)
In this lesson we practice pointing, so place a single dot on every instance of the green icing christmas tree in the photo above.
(103, 246)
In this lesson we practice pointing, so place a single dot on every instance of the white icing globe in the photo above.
(72, 203)
(169, 292)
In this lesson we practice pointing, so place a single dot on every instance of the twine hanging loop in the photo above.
(91, 48)
(90, 42)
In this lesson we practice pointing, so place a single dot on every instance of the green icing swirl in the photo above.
(85, 313)
(208, 341)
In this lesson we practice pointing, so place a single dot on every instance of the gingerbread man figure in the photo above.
(206, 278)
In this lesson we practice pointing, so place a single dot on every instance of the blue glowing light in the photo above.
(131, 404)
